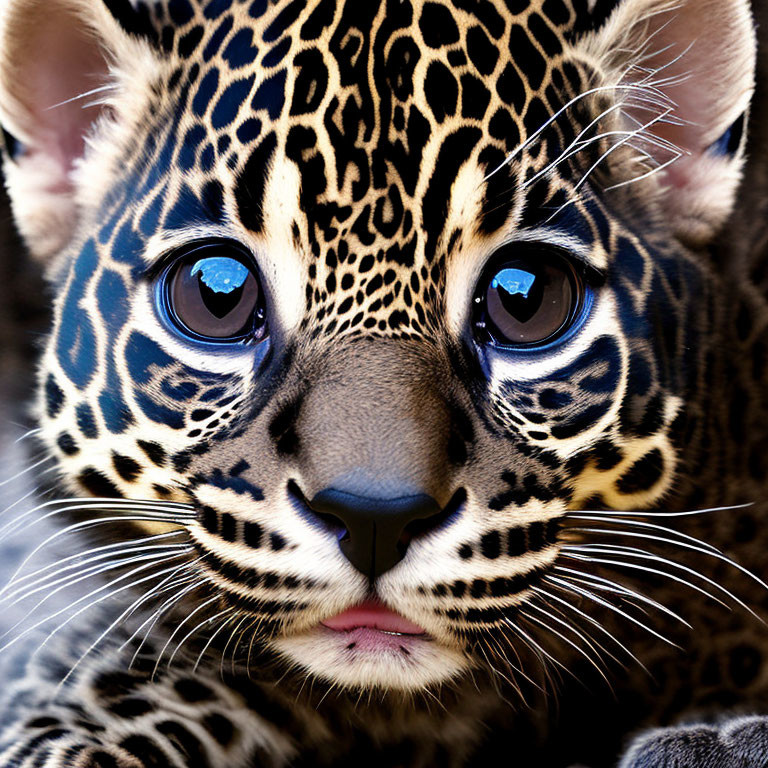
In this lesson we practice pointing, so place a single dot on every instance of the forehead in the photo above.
(351, 136)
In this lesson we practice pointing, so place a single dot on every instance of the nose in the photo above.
(377, 531)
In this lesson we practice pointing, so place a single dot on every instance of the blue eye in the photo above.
(213, 293)
(529, 299)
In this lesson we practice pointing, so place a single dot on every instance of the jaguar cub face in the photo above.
(372, 295)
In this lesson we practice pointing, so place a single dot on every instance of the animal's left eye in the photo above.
(529, 297)
(212, 292)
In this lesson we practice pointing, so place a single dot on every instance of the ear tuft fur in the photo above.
(685, 71)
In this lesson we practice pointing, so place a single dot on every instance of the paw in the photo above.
(738, 743)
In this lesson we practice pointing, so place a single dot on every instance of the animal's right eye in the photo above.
(530, 297)
(212, 293)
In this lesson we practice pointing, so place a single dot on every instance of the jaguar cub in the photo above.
(405, 388)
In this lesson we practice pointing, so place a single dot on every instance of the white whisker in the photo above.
(592, 621)
(126, 557)
(100, 89)
(570, 586)
(78, 506)
(26, 469)
(618, 550)
(137, 603)
(207, 645)
(176, 630)
(600, 582)
(654, 514)
(704, 550)
(82, 525)
(84, 557)
(567, 640)
(166, 606)
(58, 613)
(649, 526)
(29, 433)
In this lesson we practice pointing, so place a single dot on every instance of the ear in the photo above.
(63, 66)
(685, 70)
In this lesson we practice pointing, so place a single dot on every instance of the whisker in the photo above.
(508, 680)
(259, 621)
(560, 618)
(618, 550)
(704, 550)
(100, 89)
(595, 662)
(124, 558)
(159, 514)
(90, 572)
(200, 607)
(248, 628)
(18, 501)
(570, 586)
(245, 618)
(519, 630)
(516, 668)
(579, 144)
(653, 514)
(650, 526)
(165, 607)
(592, 621)
(86, 607)
(78, 560)
(580, 183)
(549, 667)
(642, 88)
(188, 582)
(207, 645)
(26, 469)
(135, 605)
(566, 152)
(646, 175)
(607, 584)
(29, 433)
(81, 525)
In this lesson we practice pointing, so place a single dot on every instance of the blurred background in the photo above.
(23, 320)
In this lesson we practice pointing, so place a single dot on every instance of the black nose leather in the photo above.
(376, 537)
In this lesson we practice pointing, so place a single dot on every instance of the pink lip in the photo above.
(372, 614)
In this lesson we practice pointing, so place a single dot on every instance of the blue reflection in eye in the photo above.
(514, 281)
(221, 274)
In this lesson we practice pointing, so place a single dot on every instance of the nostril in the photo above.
(447, 515)
(322, 520)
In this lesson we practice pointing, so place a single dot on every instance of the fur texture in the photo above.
(376, 162)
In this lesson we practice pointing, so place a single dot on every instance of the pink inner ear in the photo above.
(60, 61)
(703, 50)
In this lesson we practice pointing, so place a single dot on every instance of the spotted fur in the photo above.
(373, 156)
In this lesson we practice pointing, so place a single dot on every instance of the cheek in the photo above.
(74, 334)
(632, 471)
(566, 409)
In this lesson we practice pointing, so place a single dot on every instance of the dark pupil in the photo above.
(215, 297)
(528, 304)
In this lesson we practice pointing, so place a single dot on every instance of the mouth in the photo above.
(370, 625)
(369, 646)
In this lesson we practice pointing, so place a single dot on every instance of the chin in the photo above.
(365, 659)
